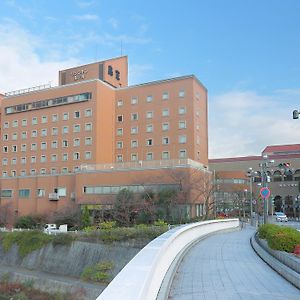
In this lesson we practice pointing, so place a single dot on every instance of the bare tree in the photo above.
(5, 214)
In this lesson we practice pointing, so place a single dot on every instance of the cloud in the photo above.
(20, 63)
(137, 73)
(113, 22)
(87, 17)
(84, 4)
(243, 123)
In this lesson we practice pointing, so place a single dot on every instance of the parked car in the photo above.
(281, 217)
(52, 229)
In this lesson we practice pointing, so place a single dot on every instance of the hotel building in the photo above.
(80, 142)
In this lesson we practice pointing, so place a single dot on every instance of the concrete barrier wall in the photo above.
(142, 277)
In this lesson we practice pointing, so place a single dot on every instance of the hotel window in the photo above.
(34, 121)
(119, 131)
(197, 127)
(182, 154)
(197, 113)
(182, 110)
(76, 128)
(33, 159)
(23, 160)
(53, 157)
(15, 123)
(65, 143)
(43, 171)
(53, 171)
(76, 169)
(4, 162)
(64, 170)
(120, 103)
(24, 122)
(134, 116)
(76, 155)
(24, 135)
(182, 124)
(5, 149)
(4, 174)
(65, 129)
(44, 132)
(40, 192)
(181, 93)
(149, 128)
(14, 136)
(65, 156)
(165, 141)
(197, 96)
(13, 161)
(32, 171)
(13, 173)
(6, 125)
(134, 144)
(149, 156)
(54, 131)
(134, 130)
(43, 145)
(165, 112)
(165, 95)
(134, 100)
(14, 148)
(134, 157)
(44, 119)
(149, 142)
(165, 155)
(88, 141)
(23, 147)
(120, 118)
(54, 144)
(76, 142)
(23, 173)
(88, 154)
(24, 193)
(88, 126)
(88, 112)
(149, 115)
(119, 145)
(43, 158)
(76, 114)
(149, 98)
(34, 133)
(119, 158)
(54, 118)
(182, 139)
(5, 137)
(65, 116)
(198, 140)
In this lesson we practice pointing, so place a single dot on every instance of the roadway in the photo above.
(224, 266)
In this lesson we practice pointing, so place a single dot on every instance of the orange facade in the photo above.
(50, 137)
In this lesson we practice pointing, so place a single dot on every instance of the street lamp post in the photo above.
(264, 165)
(251, 174)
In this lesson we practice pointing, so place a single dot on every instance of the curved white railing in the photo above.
(142, 277)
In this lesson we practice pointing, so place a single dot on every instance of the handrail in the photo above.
(142, 277)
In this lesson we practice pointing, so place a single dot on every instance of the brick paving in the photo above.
(224, 266)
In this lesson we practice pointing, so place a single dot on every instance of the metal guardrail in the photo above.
(28, 90)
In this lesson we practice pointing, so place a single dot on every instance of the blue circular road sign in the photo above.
(265, 192)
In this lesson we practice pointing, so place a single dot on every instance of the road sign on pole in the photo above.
(265, 192)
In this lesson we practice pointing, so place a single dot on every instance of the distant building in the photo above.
(283, 176)
(78, 143)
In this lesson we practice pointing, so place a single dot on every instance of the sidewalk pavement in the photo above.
(224, 266)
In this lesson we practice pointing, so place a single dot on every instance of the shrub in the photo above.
(160, 223)
(27, 241)
(108, 225)
(279, 237)
(63, 239)
(98, 272)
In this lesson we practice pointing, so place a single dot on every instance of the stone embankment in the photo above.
(58, 268)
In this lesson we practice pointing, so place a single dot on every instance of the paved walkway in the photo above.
(224, 266)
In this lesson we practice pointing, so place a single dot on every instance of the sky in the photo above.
(245, 52)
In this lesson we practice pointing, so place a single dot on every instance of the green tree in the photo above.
(85, 217)
(166, 201)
